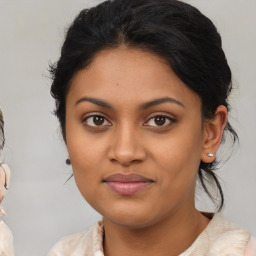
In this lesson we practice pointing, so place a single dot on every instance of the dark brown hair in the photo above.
(174, 30)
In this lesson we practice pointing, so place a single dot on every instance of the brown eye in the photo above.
(96, 121)
(160, 121)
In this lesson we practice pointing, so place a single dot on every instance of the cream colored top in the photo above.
(6, 240)
(220, 238)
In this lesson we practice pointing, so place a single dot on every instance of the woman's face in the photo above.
(134, 133)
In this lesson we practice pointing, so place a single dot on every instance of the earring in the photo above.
(210, 154)
(68, 162)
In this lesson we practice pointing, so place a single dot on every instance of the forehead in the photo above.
(128, 73)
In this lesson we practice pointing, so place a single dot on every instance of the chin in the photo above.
(133, 219)
(131, 223)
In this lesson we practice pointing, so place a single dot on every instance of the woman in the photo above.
(6, 239)
(141, 92)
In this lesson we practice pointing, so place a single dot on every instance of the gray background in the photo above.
(41, 208)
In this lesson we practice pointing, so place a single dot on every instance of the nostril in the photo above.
(125, 161)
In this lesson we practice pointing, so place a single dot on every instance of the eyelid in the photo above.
(89, 114)
(164, 114)
(93, 114)
(167, 116)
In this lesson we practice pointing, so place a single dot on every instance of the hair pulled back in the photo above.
(174, 30)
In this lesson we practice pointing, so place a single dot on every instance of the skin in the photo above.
(2, 183)
(161, 219)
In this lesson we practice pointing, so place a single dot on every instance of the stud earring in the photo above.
(210, 154)
(68, 162)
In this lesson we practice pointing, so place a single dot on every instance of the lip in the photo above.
(127, 184)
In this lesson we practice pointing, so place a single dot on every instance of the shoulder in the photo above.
(221, 237)
(87, 243)
(251, 247)
(229, 239)
(6, 240)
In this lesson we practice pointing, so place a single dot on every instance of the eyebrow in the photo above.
(160, 101)
(143, 106)
(95, 101)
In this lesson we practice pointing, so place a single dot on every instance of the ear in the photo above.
(213, 130)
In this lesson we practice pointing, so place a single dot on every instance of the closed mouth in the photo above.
(127, 184)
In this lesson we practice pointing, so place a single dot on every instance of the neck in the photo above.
(169, 237)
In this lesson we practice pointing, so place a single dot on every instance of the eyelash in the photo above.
(167, 118)
(85, 120)
(95, 126)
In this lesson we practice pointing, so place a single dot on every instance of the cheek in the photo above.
(87, 155)
(180, 148)
(83, 148)
(179, 158)
(85, 169)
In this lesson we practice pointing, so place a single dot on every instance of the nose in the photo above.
(126, 146)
